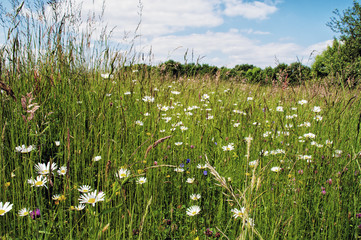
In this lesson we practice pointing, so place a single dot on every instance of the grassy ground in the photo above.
(168, 158)
(290, 168)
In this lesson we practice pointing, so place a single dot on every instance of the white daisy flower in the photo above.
(309, 135)
(193, 210)
(62, 170)
(105, 75)
(318, 118)
(38, 182)
(279, 109)
(183, 128)
(200, 166)
(164, 108)
(141, 180)
(122, 173)
(190, 180)
(205, 96)
(97, 158)
(79, 207)
(24, 149)
(4, 208)
(195, 196)
(253, 164)
(305, 157)
(148, 99)
(301, 102)
(276, 169)
(139, 123)
(92, 198)
(45, 169)
(167, 119)
(316, 109)
(238, 213)
(24, 212)
(229, 147)
(56, 197)
(179, 169)
(84, 188)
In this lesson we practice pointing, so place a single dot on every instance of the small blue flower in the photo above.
(188, 161)
(205, 172)
(181, 165)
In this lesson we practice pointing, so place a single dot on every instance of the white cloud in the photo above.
(255, 32)
(229, 49)
(159, 17)
(249, 10)
(317, 48)
(164, 20)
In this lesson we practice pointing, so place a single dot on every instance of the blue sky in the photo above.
(224, 32)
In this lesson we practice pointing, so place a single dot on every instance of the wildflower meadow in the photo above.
(93, 147)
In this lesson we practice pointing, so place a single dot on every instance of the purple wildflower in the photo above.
(35, 214)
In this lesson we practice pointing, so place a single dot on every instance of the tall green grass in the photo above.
(94, 116)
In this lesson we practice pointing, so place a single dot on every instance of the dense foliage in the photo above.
(342, 61)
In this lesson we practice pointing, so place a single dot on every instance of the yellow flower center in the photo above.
(45, 172)
(2, 212)
(194, 213)
(39, 183)
(123, 175)
(25, 213)
(91, 200)
(62, 171)
(85, 190)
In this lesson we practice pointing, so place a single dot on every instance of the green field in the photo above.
(289, 167)
(95, 145)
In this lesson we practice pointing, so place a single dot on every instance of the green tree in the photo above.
(254, 75)
(348, 24)
(330, 61)
(268, 75)
(297, 73)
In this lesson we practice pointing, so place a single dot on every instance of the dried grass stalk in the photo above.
(155, 144)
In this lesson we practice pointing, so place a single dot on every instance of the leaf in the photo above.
(109, 210)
